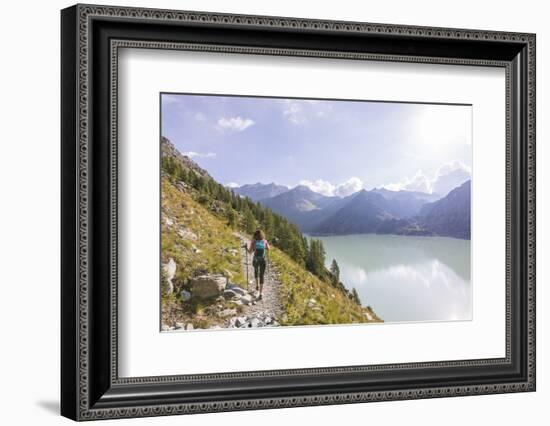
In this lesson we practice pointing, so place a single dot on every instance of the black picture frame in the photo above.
(90, 386)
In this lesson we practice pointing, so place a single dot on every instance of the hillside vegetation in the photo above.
(202, 223)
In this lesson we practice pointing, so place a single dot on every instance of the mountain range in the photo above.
(259, 191)
(379, 210)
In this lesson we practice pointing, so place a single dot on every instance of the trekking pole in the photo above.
(247, 280)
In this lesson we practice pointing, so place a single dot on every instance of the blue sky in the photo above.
(335, 147)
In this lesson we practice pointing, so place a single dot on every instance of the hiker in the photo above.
(259, 246)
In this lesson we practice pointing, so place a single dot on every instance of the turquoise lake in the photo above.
(406, 278)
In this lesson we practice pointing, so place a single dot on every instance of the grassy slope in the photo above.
(213, 240)
(329, 305)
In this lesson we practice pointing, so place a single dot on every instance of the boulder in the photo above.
(207, 286)
(189, 326)
(179, 325)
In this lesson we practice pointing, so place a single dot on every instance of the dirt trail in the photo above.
(266, 311)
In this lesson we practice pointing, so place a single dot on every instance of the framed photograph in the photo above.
(263, 212)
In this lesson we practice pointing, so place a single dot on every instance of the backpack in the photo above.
(259, 248)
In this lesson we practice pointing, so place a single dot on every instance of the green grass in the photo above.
(209, 251)
(299, 287)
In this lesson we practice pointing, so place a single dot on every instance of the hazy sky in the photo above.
(335, 147)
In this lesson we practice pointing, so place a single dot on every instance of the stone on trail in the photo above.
(228, 293)
(247, 299)
(255, 322)
(208, 285)
(236, 289)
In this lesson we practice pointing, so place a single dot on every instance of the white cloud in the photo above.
(447, 177)
(236, 124)
(320, 186)
(193, 154)
(349, 187)
(343, 189)
(295, 113)
(301, 111)
(232, 185)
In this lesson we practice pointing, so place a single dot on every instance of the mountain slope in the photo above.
(405, 203)
(449, 216)
(259, 191)
(298, 203)
(363, 212)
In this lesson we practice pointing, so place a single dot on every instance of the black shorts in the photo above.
(259, 265)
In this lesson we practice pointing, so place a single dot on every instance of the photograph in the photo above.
(309, 212)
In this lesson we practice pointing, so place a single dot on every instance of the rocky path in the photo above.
(266, 311)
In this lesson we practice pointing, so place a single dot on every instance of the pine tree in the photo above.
(335, 271)
(249, 221)
(355, 296)
(231, 218)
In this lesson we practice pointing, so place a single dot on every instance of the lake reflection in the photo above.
(405, 278)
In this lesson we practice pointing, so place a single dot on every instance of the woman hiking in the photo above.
(259, 246)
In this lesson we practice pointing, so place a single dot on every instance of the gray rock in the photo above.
(170, 271)
(255, 322)
(189, 326)
(179, 325)
(236, 289)
(268, 319)
(187, 234)
(240, 321)
(228, 293)
(165, 327)
(247, 299)
(208, 285)
(185, 295)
